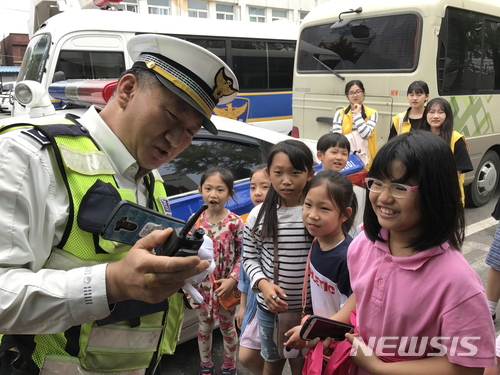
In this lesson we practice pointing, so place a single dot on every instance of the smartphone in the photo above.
(129, 222)
(317, 326)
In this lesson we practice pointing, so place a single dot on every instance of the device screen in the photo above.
(130, 222)
(323, 328)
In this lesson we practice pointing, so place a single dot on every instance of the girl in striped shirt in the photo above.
(279, 220)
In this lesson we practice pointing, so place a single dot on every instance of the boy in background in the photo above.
(333, 151)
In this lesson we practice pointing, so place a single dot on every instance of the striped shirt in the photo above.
(365, 128)
(293, 248)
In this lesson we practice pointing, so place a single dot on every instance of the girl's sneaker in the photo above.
(228, 371)
(206, 369)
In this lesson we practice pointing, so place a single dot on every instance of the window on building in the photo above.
(279, 14)
(257, 14)
(197, 9)
(161, 7)
(302, 14)
(129, 5)
(224, 12)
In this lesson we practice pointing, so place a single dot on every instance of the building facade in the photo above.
(13, 48)
(229, 10)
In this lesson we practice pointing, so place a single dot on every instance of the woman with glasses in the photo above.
(417, 305)
(357, 122)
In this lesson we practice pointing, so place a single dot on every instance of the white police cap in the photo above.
(191, 72)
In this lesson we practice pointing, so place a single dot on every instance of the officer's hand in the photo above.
(143, 276)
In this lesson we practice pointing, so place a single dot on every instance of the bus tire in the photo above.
(481, 189)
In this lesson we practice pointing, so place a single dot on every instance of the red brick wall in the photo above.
(13, 49)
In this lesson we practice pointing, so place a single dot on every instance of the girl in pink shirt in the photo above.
(420, 308)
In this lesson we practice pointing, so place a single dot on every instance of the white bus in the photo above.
(453, 45)
(91, 44)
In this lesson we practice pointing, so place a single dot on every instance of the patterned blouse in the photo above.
(227, 238)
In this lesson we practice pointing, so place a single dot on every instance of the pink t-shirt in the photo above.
(432, 303)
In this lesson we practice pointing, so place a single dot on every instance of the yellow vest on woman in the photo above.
(401, 123)
(455, 136)
(347, 121)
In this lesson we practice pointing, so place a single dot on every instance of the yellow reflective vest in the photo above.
(118, 347)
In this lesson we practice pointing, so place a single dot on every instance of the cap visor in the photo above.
(207, 124)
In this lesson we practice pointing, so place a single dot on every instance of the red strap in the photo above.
(313, 364)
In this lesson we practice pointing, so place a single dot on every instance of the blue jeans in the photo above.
(268, 350)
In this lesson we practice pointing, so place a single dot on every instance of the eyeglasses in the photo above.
(396, 190)
(352, 93)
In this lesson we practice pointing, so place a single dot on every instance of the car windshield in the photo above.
(35, 58)
(183, 174)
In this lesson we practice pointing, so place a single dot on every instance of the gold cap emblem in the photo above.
(223, 85)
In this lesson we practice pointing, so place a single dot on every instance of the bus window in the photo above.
(490, 71)
(378, 43)
(250, 64)
(281, 55)
(261, 65)
(216, 46)
(469, 47)
(90, 64)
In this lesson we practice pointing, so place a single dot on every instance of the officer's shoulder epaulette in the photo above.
(55, 130)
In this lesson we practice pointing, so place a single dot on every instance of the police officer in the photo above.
(70, 301)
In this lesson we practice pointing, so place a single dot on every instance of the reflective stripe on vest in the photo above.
(58, 364)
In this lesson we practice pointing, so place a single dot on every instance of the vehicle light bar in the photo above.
(94, 4)
(103, 3)
(94, 91)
